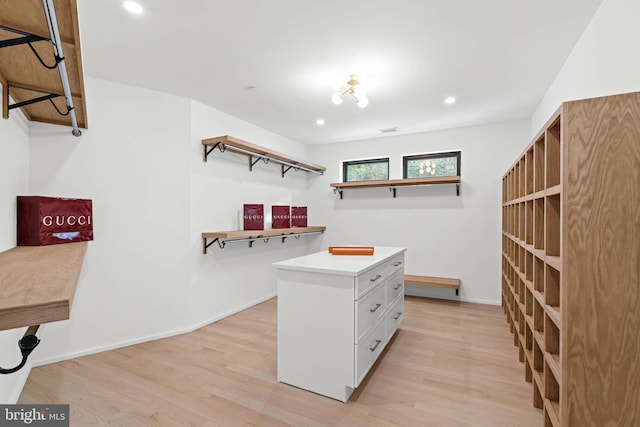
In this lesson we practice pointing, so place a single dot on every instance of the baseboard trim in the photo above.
(148, 338)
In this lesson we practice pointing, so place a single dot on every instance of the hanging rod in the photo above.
(222, 242)
(58, 54)
(56, 42)
(223, 147)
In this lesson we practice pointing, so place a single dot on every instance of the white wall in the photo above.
(445, 235)
(14, 180)
(133, 162)
(605, 60)
(226, 280)
(140, 162)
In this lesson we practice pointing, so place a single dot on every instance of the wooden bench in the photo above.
(440, 282)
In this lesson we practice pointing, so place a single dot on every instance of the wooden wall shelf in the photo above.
(37, 283)
(392, 184)
(22, 75)
(222, 237)
(255, 153)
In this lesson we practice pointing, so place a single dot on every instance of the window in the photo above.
(431, 165)
(365, 170)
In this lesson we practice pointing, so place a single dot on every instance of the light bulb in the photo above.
(336, 98)
(363, 102)
(133, 7)
(359, 91)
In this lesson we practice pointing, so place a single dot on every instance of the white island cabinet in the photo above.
(336, 313)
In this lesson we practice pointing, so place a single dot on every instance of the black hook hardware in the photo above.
(27, 344)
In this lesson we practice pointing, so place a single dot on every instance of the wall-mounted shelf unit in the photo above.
(255, 153)
(38, 283)
(392, 184)
(41, 62)
(250, 236)
(570, 270)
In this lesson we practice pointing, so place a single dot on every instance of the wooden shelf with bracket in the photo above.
(393, 184)
(38, 283)
(250, 236)
(255, 153)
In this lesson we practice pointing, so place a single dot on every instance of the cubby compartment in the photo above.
(538, 402)
(538, 358)
(528, 303)
(538, 275)
(522, 291)
(552, 287)
(516, 181)
(528, 374)
(522, 181)
(528, 219)
(538, 223)
(523, 219)
(538, 316)
(538, 167)
(553, 154)
(552, 225)
(529, 266)
(504, 191)
(552, 398)
(551, 337)
(528, 339)
(529, 174)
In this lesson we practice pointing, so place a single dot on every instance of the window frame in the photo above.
(347, 163)
(428, 156)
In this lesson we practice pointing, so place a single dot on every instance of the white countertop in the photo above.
(349, 265)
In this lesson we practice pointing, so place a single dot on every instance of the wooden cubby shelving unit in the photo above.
(37, 283)
(255, 153)
(570, 262)
(250, 236)
(392, 184)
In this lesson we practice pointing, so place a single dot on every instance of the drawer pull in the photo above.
(398, 286)
(397, 263)
(374, 308)
(397, 315)
(373, 279)
(375, 346)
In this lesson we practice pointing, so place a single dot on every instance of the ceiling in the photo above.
(274, 63)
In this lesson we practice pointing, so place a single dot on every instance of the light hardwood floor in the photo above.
(450, 364)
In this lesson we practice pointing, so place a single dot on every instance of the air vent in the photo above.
(389, 130)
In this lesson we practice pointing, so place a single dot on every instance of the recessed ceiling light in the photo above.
(389, 130)
(133, 7)
(320, 122)
(450, 100)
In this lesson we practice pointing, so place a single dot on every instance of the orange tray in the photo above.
(351, 250)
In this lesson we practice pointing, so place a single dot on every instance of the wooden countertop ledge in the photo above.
(37, 283)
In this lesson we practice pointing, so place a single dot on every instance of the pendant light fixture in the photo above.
(355, 88)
